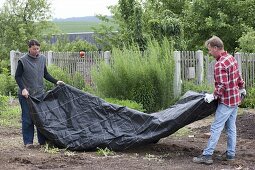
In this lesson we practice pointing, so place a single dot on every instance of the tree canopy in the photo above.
(21, 20)
(188, 22)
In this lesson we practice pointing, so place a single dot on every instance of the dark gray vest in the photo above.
(33, 74)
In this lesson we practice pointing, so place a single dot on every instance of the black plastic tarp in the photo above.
(73, 119)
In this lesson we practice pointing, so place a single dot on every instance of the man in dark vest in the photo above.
(29, 76)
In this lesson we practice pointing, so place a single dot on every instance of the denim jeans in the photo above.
(28, 125)
(225, 116)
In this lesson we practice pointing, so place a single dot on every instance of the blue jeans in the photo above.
(225, 116)
(28, 125)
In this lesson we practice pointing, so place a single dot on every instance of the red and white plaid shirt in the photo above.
(228, 80)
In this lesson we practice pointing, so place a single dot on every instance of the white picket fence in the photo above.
(189, 65)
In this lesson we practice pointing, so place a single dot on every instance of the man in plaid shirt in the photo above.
(229, 87)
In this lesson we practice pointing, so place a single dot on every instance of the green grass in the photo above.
(182, 132)
(50, 149)
(76, 26)
(10, 116)
(104, 152)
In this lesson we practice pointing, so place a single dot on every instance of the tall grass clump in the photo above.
(145, 77)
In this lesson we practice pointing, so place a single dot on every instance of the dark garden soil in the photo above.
(173, 152)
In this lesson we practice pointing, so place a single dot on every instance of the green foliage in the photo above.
(193, 86)
(105, 33)
(76, 80)
(63, 45)
(9, 114)
(51, 149)
(7, 83)
(128, 18)
(188, 23)
(128, 103)
(227, 19)
(185, 131)
(249, 100)
(21, 20)
(144, 77)
(163, 23)
(105, 152)
(4, 64)
(247, 42)
(3, 102)
(138, 22)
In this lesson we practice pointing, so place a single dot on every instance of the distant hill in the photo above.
(78, 24)
(77, 19)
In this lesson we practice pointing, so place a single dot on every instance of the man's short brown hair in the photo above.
(215, 41)
(32, 43)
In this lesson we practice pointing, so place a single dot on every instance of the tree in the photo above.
(188, 22)
(227, 19)
(21, 20)
(247, 42)
(139, 21)
(129, 15)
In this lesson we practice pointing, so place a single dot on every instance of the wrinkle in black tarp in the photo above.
(73, 119)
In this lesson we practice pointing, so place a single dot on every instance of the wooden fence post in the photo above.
(14, 64)
(107, 56)
(200, 66)
(177, 74)
(239, 61)
(49, 58)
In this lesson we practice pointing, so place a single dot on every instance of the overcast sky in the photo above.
(78, 8)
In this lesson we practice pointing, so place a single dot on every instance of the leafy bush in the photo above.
(144, 77)
(4, 64)
(7, 83)
(76, 80)
(64, 45)
(249, 100)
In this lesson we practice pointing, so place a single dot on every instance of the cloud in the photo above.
(80, 8)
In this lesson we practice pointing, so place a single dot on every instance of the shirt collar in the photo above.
(32, 56)
(221, 54)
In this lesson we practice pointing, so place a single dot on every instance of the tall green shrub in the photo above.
(145, 77)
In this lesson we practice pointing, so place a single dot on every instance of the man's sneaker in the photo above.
(203, 159)
(226, 157)
(29, 146)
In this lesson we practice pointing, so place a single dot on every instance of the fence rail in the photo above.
(189, 65)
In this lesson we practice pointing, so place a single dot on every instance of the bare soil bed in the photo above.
(173, 152)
